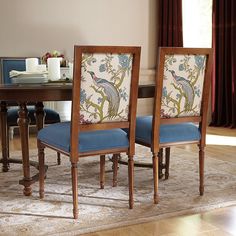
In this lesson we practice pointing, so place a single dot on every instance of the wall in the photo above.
(31, 28)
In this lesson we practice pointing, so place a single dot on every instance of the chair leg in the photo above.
(115, 158)
(41, 170)
(201, 169)
(5, 153)
(58, 158)
(74, 176)
(102, 171)
(11, 133)
(167, 165)
(131, 181)
(8, 145)
(160, 163)
(155, 177)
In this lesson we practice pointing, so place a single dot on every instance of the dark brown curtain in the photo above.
(224, 68)
(170, 33)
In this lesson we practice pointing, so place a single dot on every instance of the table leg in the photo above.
(4, 137)
(39, 115)
(23, 122)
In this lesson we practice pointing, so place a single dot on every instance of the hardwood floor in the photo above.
(222, 222)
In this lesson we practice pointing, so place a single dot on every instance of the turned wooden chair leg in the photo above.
(8, 140)
(115, 158)
(74, 176)
(201, 169)
(155, 177)
(102, 171)
(58, 158)
(131, 181)
(41, 170)
(167, 164)
(160, 163)
(6, 166)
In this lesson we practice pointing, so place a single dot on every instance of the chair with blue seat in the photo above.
(105, 89)
(180, 109)
(181, 102)
(7, 64)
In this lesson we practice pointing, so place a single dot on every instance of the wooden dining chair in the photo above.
(105, 89)
(180, 111)
(51, 116)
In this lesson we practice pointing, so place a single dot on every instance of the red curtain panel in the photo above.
(170, 33)
(224, 68)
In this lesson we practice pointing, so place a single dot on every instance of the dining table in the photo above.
(22, 95)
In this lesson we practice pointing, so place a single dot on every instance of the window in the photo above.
(197, 23)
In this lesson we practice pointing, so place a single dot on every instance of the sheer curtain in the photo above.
(197, 26)
(197, 23)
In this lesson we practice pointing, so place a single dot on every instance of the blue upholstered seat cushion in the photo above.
(51, 116)
(58, 135)
(168, 133)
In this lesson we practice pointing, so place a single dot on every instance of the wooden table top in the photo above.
(52, 92)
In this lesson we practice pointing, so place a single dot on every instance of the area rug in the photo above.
(108, 208)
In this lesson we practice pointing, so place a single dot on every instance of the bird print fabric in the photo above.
(187, 89)
(113, 96)
(182, 85)
(105, 87)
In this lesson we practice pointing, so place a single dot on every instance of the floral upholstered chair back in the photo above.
(105, 87)
(183, 82)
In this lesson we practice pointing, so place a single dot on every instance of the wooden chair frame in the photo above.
(156, 147)
(201, 119)
(76, 127)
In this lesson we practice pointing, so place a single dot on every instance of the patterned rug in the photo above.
(103, 209)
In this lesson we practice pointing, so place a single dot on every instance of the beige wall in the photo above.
(30, 27)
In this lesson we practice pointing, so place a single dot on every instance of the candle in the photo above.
(31, 64)
(54, 68)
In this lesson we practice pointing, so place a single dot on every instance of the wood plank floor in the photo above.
(222, 222)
